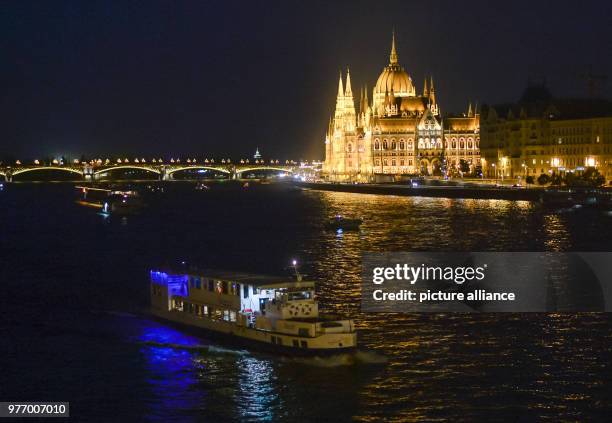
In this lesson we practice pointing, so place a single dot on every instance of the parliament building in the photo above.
(397, 132)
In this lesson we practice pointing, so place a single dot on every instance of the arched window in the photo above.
(349, 147)
(402, 145)
(470, 143)
(439, 143)
(454, 142)
(410, 144)
(461, 144)
(392, 162)
(384, 162)
(421, 144)
(385, 145)
(393, 145)
(377, 144)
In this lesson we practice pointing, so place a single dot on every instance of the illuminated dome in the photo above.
(394, 78)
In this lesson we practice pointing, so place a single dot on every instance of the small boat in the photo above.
(341, 223)
(278, 314)
(201, 187)
(110, 201)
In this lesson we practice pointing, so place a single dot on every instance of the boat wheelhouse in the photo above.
(278, 313)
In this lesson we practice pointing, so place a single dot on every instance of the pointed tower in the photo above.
(470, 113)
(393, 55)
(339, 103)
(348, 92)
(349, 104)
(432, 91)
(425, 90)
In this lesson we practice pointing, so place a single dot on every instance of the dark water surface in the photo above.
(74, 285)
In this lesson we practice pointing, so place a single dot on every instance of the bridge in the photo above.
(95, 170)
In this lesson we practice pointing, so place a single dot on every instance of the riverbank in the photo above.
(524, 194)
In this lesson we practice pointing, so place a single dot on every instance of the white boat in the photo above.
(263, 312)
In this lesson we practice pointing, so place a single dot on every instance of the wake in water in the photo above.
(346, 359)
(195, 347)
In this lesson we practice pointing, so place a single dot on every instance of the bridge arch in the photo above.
(178, 169)
(264, 168)
(31, 169)
(148, 169)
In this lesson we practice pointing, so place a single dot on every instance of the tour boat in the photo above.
(115, 201)
(342, 223)
(273, 313)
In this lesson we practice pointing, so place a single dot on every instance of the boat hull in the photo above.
(258, 340)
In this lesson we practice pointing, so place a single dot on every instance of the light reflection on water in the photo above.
(487, 367)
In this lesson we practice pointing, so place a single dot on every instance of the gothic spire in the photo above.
(348, 92)
(393, 55)
(425, 91)
(340, 88)
(432, 91)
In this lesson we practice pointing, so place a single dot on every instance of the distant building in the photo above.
(398, 132)
(540, 134)
(257, 155)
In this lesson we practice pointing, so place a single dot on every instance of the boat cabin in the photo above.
(230, 296)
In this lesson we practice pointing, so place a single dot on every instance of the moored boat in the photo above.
(279, 314)
(341, 223)
(115, 201)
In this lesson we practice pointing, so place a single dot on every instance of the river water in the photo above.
(75, 285)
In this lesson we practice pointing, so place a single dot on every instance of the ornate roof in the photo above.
(394, 79)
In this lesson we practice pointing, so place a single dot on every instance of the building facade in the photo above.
(542, 135)
(397, 132)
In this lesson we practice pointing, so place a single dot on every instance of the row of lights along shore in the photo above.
(99, 162)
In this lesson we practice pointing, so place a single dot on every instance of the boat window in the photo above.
(296, 343)
(331, 325)
(304, 344)
(293, 296)
(246, 291)
(198, 283)
(211, 285)
(303, 332)
(236, 288)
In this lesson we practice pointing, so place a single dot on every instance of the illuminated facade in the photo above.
(399, 132)
(540, 134)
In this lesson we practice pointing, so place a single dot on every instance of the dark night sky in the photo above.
(220, 78)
